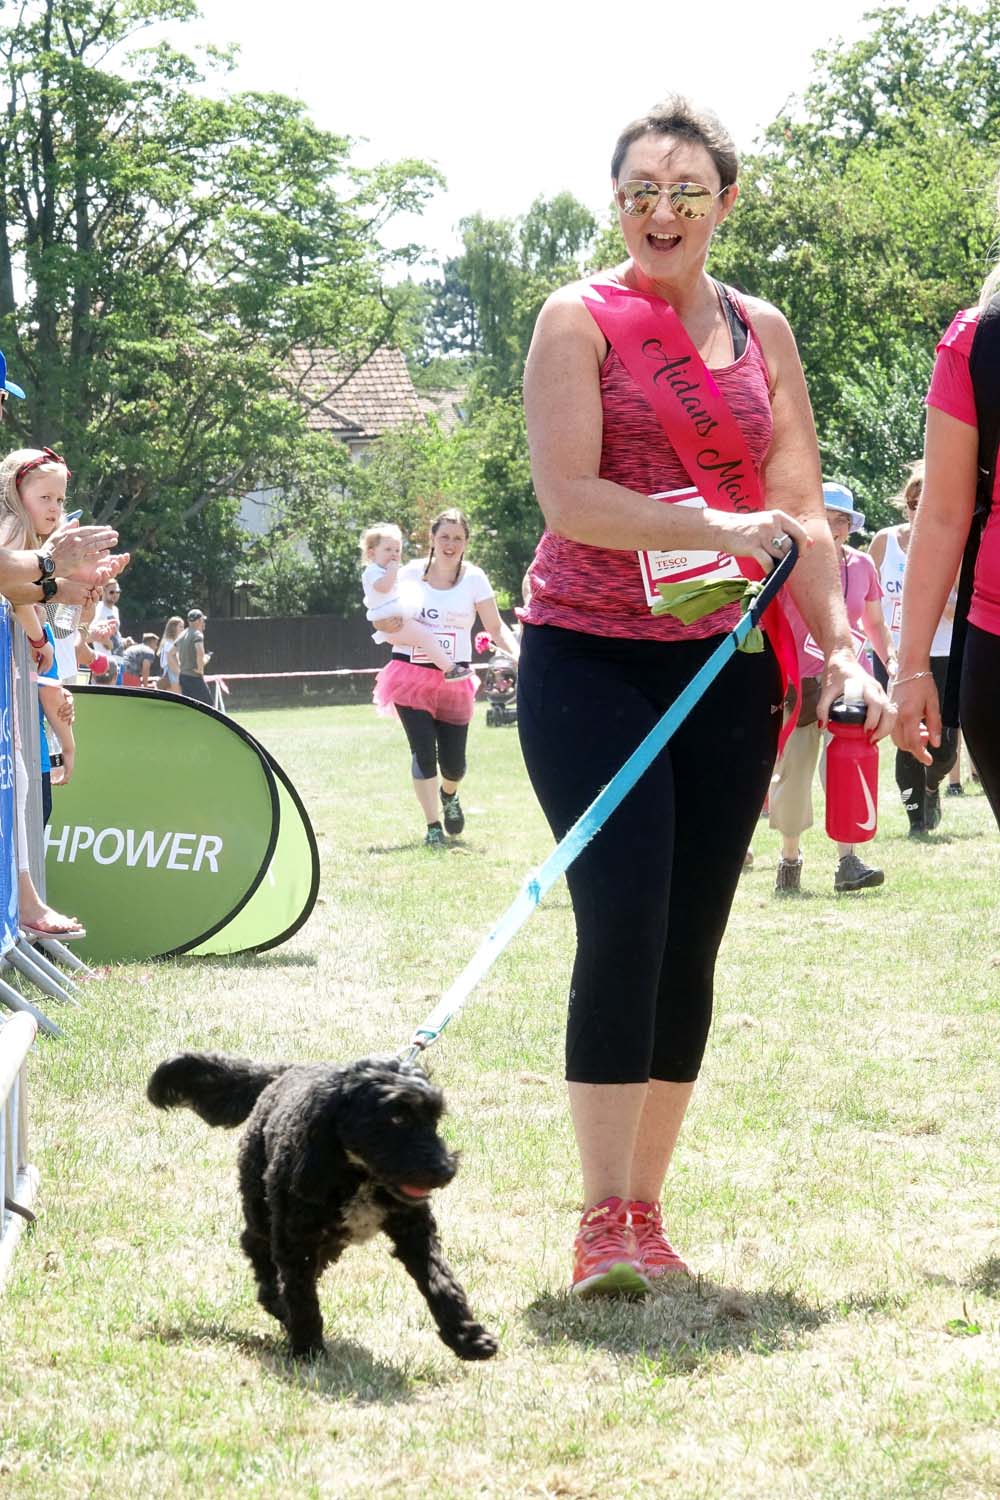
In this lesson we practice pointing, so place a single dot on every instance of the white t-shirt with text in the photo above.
(450, 613)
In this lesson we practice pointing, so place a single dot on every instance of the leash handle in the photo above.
(593, 818)
(774, 583)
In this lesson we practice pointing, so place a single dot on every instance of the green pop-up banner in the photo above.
(178, 833)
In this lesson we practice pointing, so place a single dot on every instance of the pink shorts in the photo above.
(399, 682)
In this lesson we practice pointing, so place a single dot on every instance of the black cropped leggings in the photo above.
(433, 743)
(979, 709)
(652, 891)
(913, 778)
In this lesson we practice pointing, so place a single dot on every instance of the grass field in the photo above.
(836, 1188)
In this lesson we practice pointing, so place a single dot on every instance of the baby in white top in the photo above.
(386, 598)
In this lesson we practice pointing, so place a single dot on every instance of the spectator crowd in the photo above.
(61, 581)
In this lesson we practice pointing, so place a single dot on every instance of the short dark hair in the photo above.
(675, 115)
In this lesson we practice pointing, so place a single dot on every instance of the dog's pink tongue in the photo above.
(414, 1192)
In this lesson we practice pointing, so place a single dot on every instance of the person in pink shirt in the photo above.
(951, 456)
(790, 804)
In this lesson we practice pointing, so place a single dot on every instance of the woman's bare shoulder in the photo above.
(565, 310)
(769, 321)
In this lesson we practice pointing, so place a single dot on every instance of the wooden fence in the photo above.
(267, 647)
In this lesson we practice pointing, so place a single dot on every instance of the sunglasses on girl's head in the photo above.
(689, 200)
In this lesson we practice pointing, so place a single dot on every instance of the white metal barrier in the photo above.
(20, 1179)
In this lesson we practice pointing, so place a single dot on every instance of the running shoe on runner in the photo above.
(434, 837)
(656, 1254)
(605, 1259)
(454, 817)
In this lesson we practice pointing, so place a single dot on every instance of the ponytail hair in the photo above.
(913, 485)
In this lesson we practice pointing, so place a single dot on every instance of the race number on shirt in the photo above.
(672, 567)
(446, 639)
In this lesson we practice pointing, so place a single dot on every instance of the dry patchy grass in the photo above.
(836, 1187)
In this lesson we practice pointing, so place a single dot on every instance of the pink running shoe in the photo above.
(656, 1254)
(605, 1258)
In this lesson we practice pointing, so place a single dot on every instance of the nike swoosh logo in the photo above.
(869, 825)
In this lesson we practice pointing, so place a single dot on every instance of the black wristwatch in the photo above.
(46, 569)
(49, 587)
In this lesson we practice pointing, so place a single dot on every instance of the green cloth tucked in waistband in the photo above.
(695, 598)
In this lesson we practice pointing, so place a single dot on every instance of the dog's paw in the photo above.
(473, 1341)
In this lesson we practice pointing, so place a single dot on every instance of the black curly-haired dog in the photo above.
(330, 1156)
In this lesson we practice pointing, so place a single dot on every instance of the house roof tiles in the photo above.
(378, 396)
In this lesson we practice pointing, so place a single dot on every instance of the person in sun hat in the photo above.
(790, 808)
(652, 892)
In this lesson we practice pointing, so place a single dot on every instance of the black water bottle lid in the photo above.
(848, 711)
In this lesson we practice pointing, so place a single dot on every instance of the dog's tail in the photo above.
(222, 1090)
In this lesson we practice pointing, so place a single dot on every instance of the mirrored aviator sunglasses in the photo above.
(689, 200)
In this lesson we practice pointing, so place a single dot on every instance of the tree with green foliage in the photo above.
(309, 561)
(490, 296)
(173, 249)
(866, 216)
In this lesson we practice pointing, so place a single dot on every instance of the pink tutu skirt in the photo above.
(399, 682)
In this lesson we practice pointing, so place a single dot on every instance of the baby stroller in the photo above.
(500, 690)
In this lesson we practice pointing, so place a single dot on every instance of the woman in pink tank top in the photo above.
(951, 489)
(651, 893)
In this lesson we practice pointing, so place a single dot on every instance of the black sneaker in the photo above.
(854, 875)
(955, 789)
(454, 817)
(434, 837)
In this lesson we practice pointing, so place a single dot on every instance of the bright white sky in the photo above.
(522, 97)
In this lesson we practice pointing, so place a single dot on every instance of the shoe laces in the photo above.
(605, 1232)
(654, 1247)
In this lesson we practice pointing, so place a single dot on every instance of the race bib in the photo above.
(896, 620)
(812, 648)
(446, 639)
(672, 567)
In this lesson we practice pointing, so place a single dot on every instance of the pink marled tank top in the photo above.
(599, 590)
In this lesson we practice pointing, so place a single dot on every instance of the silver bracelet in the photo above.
(898, 681)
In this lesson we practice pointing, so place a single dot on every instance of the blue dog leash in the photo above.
(593, 819)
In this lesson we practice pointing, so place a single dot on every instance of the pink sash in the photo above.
(653, 345)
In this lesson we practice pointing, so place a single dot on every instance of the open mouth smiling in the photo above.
(662, 242)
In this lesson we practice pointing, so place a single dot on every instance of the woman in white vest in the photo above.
(918, 785)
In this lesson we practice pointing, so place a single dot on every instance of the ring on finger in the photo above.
(779, 542)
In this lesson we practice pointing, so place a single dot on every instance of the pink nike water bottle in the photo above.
(851, 775)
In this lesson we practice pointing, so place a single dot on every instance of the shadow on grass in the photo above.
(453, 846)
(939, 836)
(271, 960)
(985, 1277)
(681, 1327)
(345, 1372)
